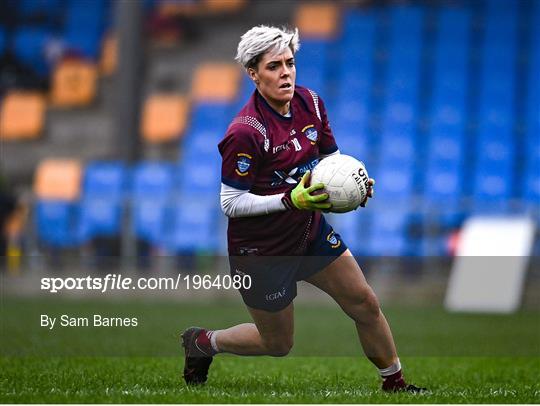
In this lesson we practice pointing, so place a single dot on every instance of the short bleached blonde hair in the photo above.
(261, 39)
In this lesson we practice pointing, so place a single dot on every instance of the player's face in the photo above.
(276, 76)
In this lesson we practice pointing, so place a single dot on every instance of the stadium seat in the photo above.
(388, 232)
(152, 196)
(200, 174)
(84, 27)
(164, 118)
(194, 224)
(3, 40)
(220, 6)
(22, 115)
(45, 11)
(99, 217)
(57, 189)
(102, 201)
(317, 20)
(394, 183)
(74, 83)
(56, 223)
(215, 82)
(58, 179)
(105, 178)
(312, 65)
(210, 116)
(109, 55)
(29, 45)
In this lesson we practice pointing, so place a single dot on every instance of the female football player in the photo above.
(277, 234)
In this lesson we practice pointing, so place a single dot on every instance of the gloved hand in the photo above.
(303, 199)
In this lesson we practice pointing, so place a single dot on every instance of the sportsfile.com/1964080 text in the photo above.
(112, 282)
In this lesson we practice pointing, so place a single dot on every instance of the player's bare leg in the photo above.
(344, 281)
(271, 334)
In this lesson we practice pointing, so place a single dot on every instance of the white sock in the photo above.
(392, 369)
(212, 336)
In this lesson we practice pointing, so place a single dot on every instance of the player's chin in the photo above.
(285, 96)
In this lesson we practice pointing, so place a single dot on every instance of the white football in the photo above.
(345, 179)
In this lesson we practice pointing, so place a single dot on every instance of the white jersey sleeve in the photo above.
(241, 203)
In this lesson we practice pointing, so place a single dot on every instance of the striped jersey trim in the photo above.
(315, 98)
(253, 122)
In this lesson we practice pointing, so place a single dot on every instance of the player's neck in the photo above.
(280, 108)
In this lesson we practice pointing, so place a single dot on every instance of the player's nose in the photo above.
(286, 71)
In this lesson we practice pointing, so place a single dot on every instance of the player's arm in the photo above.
(241, 203)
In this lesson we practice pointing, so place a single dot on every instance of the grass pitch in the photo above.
(461, 358)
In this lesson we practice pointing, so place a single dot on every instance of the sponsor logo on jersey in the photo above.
(294, 175)
(243, 163)
(283, 147)
(311, 133)
(332, 239)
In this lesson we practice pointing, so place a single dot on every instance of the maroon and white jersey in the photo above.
(267, 154)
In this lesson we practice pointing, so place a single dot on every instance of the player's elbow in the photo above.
(227, 207)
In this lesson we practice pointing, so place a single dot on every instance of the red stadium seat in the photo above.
(317, 20)
(22, 115)
(109, 55)
(216, 82)
(74, 83)
(164, 118)
(58, 179)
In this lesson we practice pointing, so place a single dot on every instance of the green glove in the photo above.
(304, 200)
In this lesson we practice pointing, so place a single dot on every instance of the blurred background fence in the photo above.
(109, 125)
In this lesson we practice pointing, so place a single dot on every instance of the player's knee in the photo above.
(371, 309)
(279, 348)
(364, 308)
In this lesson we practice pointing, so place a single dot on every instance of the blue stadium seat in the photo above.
(100, 217)
(153, 197)
(531, 178)
(388, 232)
(29, 45)
(56, 223)
(312, 63)
(3, 40)
(153, 180)
(84, 26)
(150, 219)
(394, 184)
(359, 27)
(352, 144)
(49, 9)
(492, 189)
(444, 184)
(200, 175)
(398, 147)
(193, 224)
(105, 178)
(102, 203)
(201, 143)
(357, 51)
(350, 125)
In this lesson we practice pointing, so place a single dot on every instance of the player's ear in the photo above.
(253, 74)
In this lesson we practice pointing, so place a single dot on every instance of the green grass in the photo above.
(461, 358)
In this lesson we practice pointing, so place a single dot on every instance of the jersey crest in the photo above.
(311, 133)
(243, 163)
